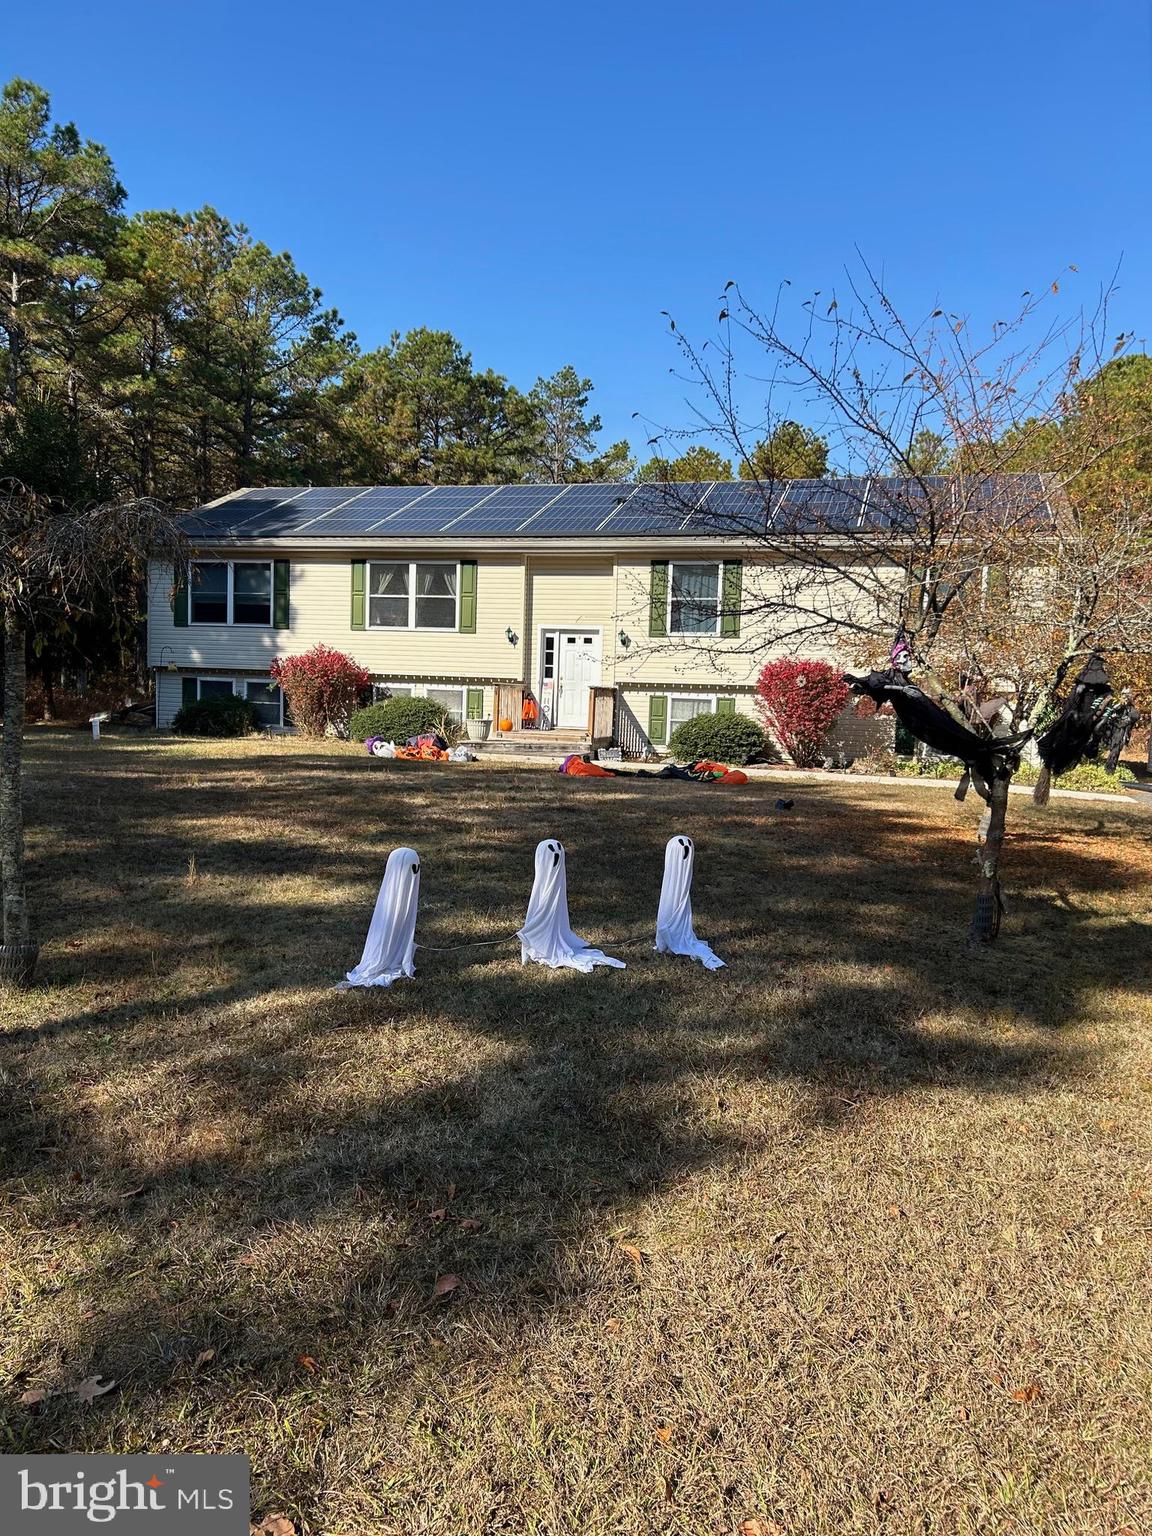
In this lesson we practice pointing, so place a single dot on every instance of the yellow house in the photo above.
(590, 612)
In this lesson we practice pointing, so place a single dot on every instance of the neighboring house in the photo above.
(616, 611)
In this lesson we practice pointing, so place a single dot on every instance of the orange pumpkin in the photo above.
(505, 724)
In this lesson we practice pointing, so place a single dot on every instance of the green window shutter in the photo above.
(180, 596)
(658, 718)
(475, 703)
(725, 706)
(187, 690)
(733, 597)
(467, 597)
(281, 575)
(358, 574)
(658, 606)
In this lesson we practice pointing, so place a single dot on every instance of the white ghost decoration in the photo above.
(674, 935)
(390, 948)
(546, 935)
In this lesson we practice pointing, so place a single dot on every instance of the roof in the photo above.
(740, 509)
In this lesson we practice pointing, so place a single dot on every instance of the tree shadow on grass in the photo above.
(324, 1157)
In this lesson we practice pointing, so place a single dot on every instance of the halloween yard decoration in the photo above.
(1078, 731)
(390, 948)
(547, 936)
(1123, 718)
(991, 753)
(674, 932)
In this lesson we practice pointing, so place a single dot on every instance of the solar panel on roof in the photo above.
(438, 506)
(363, 508)
(613, 510)
(511, 506)
(821, 506)
(295, 513)
(737, 505)
(579, 510)
(656, 508)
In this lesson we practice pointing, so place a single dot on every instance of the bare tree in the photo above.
(53, 561)
(991, 582)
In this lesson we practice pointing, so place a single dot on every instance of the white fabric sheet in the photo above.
(546, 936)
(674, 935)
(390, 948)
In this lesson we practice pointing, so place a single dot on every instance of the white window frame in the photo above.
(431, 629)
(715, 630)
(388, 686)
(461, 689)
(695, 698)
(231, 565)
(239, 686)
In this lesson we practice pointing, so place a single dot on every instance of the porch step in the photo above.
(539, 743)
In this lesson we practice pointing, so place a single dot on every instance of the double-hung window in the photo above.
(261, 692)
(693, 598)
(230, 592)
(686, 706)
(451, 700)
(413, 594)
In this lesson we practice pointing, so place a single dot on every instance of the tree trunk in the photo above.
(48, 683)
(15, 906)
(989, 904)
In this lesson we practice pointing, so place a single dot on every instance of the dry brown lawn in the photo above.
(850, 1237)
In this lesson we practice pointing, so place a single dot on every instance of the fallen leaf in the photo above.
(438, 1215)
(88, 1391)
(308, 1362)
(469, 1224)
(1029, 1394)
(754, 1526)
(34, 1395)
(633, 1254)
(450, 1195)
(663, 1434)
(612, 1325)
(274, 1525)
(203, 1358)
(445, 1285)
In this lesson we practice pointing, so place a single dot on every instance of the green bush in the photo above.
(1092, 776)
(722, 738)
(217, 717)
(397, 719)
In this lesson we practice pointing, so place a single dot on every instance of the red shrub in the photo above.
(322, 688)
(799, 701)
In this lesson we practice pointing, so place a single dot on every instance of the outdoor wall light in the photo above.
(513, 637)
(170, 664)
(624, 639)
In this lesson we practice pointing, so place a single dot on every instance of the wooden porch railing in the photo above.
(510, 703)
(601, 716)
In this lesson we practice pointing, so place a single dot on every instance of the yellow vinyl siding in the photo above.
(577, 591)
(320, 611)
(711, 663)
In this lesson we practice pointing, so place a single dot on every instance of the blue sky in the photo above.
(545, 180)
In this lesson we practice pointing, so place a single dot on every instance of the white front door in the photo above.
(577, 670)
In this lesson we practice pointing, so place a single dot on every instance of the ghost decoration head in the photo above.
(547, 936)
(390, 948)
(674, 932)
